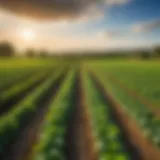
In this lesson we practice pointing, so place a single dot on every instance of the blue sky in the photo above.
(137, 10)
(115, 24)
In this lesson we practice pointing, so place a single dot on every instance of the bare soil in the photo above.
(79, 140)
(138, 146)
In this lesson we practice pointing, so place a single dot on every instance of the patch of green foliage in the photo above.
(15, 120)
(52, 137)
(106, 131)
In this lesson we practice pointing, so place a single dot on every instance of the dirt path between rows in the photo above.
(154, 109)
(22, 148)
(138, 145)
(80, 143)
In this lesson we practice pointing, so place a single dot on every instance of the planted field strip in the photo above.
(52, 138)
(136, 96)
(80, 142)
(69, 113)
(145, 119)
(10, 97)
(9, 77)
(9, 81)
(107, 133)
(12, 123)
(66, 133)
(22, 148)
(138, 144)
(141, 76)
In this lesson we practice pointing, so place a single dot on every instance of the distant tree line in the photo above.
(157, 50)
(34, 53)
(8, 50)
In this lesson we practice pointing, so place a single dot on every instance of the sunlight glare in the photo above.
(27, 34)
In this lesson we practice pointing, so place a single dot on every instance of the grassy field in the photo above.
(79, 110)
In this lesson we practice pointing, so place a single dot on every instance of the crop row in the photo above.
(105, 130)
(52, 141)
(12, 77)
(52, 138)
(146, 120)
(141, 76)
(11, 96)
(14, 121)
(19, 88)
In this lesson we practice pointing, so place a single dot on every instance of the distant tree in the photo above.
(157, 50)
(6, 49)
(30, 53)
(145, 55)
(43, 53)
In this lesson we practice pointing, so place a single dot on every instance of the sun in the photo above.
(27, 34)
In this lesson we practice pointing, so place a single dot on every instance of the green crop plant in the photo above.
(20, 87)
(106, 132)
(145, 119)
(20, 114)
(52, 138)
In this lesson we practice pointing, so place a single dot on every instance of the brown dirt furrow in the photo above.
(80, 143)
(22, 148)
(154, 109)
(137, 143)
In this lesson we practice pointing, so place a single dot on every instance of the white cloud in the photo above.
(116, 2)
(91, 14)
(137, 28)
(56, 9)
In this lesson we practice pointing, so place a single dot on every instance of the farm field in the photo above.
(79, 110)
(143, 77)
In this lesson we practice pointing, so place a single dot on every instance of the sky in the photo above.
(68, 25)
